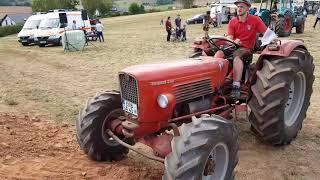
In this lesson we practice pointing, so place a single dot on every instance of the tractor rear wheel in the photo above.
(92, 124)
(281, 96)
(300, 25)
(206, 149)
(283, 26)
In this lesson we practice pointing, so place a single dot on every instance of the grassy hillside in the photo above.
(53, 83)
(124, 4)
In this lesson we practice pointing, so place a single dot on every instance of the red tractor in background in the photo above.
(182, 110)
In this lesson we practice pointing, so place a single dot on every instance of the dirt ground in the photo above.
(42, 90)
(31, 148)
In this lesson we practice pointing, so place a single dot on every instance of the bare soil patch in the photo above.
(42, 90)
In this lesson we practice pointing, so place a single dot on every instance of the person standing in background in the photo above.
(74, 25)
(317, 18)
(206, 23)
(168, 28)
(219, 18)
(178, 25)
(100, 28)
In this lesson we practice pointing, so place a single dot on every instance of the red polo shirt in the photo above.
(246, 31)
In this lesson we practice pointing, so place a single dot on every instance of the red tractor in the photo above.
(182, 110)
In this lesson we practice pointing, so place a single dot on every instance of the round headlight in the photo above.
(163, 101)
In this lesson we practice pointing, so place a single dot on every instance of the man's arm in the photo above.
(261, 27)
(230, 33)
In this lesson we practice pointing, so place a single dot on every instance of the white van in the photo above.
(227, 11)
(50, 29)
(26, 35)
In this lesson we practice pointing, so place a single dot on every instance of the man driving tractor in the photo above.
(243, 30)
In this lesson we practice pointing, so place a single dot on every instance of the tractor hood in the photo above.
(174, 70)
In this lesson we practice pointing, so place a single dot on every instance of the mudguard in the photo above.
(264, 15)
(286, 47)
(282, 11)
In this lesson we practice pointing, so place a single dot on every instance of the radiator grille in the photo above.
(24, 37)
(43, 38)
(193, 90)
(129, 88)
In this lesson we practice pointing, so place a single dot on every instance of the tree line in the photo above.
(103, 6)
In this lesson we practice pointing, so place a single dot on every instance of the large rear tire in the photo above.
(207, 149)
(300, 25)
(92, 124)
(283, 26)
(281, 96)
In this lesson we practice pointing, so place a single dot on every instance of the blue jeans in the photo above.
(100, 35)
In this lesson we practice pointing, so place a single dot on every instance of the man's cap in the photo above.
(247, 2)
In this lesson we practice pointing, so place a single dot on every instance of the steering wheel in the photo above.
(226, 45)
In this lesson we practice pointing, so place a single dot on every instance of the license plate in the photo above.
(24, 41)
(43, 42)
(129, 107)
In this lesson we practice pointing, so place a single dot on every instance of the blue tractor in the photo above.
(281, 16)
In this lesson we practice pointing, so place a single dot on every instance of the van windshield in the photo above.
(49, 23)
(31, 24)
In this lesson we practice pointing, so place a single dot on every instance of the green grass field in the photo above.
(52, 83)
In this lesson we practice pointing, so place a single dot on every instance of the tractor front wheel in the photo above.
(281, 96)
(92, 124)
(207, 149)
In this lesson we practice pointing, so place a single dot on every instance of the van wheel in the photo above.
(42, 45)
(60, 42)
(25, 44)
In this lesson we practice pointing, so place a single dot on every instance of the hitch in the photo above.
(110, 133)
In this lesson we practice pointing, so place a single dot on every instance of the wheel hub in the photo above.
(217, 163)
(287, 24)
(295, 101)
(114, 115)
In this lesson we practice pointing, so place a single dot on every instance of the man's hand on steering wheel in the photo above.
(237, 41)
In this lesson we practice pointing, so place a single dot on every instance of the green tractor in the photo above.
(281, 17)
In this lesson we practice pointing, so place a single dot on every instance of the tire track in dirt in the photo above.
(34, 149)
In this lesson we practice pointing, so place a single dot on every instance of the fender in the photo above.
(264, 14)
(286, 48)
(283, 11)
